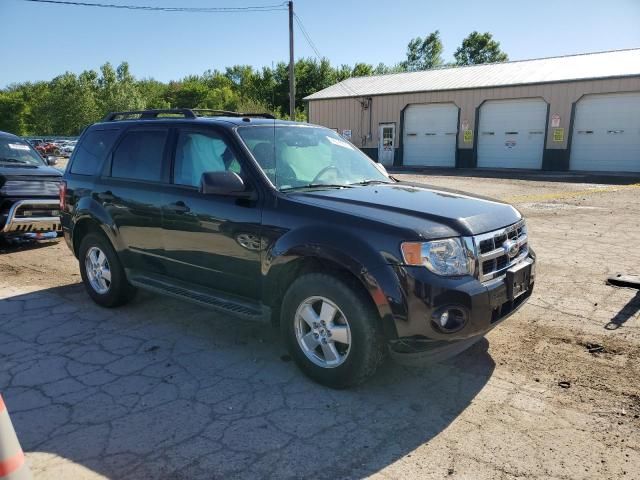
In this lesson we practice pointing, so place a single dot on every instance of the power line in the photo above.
(307, 37)
(364, 104)
(252, 8)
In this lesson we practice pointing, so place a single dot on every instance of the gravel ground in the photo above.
(164, 389)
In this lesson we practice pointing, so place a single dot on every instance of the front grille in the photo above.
(500, 249)
(30, 188)
(29, 211)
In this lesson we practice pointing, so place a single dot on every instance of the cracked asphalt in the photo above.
(167, 390)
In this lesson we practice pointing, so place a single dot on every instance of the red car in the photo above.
(47, 148)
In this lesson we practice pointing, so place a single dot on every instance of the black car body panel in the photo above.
(247, 246)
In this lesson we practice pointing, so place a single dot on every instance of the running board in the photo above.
(204, 297)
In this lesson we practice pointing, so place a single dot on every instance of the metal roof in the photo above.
(617, 63)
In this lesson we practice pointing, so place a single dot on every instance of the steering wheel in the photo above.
(323, 171)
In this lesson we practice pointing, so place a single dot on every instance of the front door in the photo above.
(210, 240)
(386, 143)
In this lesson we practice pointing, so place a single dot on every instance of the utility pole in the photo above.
(292, 76)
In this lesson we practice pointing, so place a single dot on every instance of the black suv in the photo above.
(28, 191)
(264, 218)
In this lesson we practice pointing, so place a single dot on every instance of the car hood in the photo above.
(37, 181)
(17, 170)
(431, 212)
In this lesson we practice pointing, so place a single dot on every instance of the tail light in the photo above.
(63, 195)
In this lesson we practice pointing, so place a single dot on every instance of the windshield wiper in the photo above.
(370, 182)
(316, 185)
(13, 160)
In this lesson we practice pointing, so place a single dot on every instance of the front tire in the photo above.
(102, 272)
(331, 330)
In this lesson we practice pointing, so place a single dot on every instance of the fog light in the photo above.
(444, 318)
(450, 319)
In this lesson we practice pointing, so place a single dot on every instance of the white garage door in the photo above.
(430, 133)
(511, 133)
(606, 133)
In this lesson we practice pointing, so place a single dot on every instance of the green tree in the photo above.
(424, 53)
(117, 89)
(71, 103)
(154, 93)
(13, 110)
(479, 48)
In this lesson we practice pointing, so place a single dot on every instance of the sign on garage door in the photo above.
(430, 133)
(606, 133)
(511, 133)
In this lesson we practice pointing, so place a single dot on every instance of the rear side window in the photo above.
(90, 152)
(139, 155)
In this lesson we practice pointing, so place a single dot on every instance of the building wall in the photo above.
(348, 113)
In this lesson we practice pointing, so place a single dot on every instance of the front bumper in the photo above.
(420, 338)
(17, 223)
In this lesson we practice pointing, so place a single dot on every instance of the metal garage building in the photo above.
(578, 112)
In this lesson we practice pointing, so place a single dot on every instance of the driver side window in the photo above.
(199, 152)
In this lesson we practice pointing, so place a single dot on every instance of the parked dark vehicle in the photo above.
(29, 203)
(264, 218)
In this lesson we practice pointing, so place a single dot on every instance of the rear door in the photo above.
(211, 240)
(131, 190)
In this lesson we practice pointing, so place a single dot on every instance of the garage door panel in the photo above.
(511, 133)
(606, 133)
(430, 133)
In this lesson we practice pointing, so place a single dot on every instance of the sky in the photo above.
(39, 41)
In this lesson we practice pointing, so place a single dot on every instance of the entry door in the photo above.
(430, 135)
(210, 240)
(606, 133)
(511, 133)
(386, 143)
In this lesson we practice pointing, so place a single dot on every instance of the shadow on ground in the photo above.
(164, 389)
(626, 312)
(10, 246)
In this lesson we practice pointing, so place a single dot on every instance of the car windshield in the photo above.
(17, 151)
(301, 156)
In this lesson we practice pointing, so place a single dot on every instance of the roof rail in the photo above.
(148, 114)
(227, 113)
(185, 112)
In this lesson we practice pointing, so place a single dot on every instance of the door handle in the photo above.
(106, 196)
(179, 207)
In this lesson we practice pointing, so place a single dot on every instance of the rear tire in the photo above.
(331, 330)
(102, 272)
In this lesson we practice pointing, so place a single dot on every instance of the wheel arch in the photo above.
(359, 263)
(91, 217)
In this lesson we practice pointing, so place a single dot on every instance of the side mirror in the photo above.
(222, 183)
(51, 160)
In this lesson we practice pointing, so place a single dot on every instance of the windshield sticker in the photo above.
(340, 143)
(18, 146)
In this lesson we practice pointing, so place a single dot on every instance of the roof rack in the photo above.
(227, 113)
(185, 112)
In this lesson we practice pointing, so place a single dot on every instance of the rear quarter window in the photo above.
(91, 150)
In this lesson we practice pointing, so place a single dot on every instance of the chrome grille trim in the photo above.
(492, 250)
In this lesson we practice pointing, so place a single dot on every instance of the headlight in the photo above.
(447, 257)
